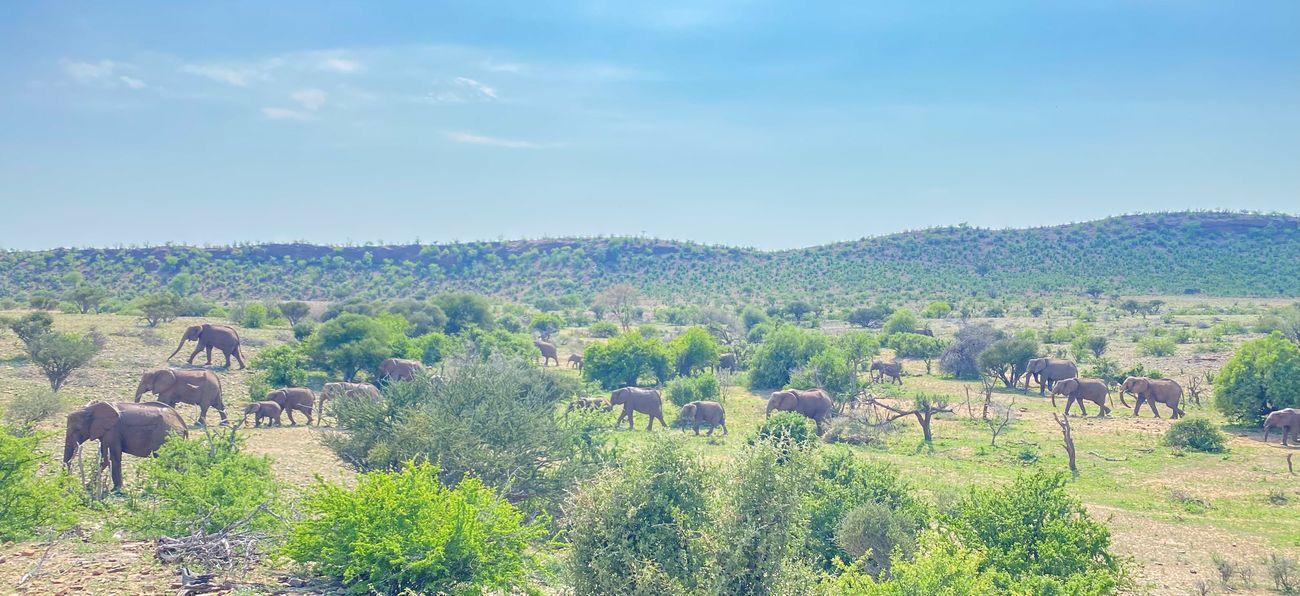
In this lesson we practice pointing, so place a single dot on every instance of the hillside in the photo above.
(1224, 254)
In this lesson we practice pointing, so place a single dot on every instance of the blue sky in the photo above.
(768, 124)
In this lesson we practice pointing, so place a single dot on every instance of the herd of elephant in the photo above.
(1061, 377)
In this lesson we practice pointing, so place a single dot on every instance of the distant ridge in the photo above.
(1216, 253)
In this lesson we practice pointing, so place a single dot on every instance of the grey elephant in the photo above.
(1288, 419)
(294, 398)
(637, 399)
(548, 351)
(135, 429)
(575, 361)
(201, 388)
(881, 369)
(1153, 391)
(814, 404)
(332, 391)
(1078, 390)
(263, 410)
(704, 411)
(728, 362)
(1047, 371)
(207, 336)
(399, 369)
(588, 404)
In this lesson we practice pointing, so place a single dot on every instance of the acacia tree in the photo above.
(294, 311)
(1006, 358)
(621, 301)
(60, 354)
(86, 297)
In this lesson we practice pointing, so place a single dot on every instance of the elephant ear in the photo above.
(103, 417)
(164, 380)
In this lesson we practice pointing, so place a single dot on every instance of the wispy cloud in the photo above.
(311, 99)
(343, 65)
(102, 73)
(464, 90)
(285, 114)
(238, 76)
(476, 139)
(132, 82)
(486, 91)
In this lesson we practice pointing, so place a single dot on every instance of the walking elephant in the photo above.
(263, 410)
(548, 351)
(135, 429)
(1153, 391)
(704, 411)
(814, 404)
(588, 404)
(881, 369)
(1078, 390)
(728, 361)
(207, 336)
(1288, 419)
(575, 361)
(399, 369)
(636, 399)
(201, 388)
(332, 391)
(1047, 371)
(294, 398)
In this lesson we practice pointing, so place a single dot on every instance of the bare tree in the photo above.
(1068, 440)
(924, 409)
(1194, 390)
(621, 301)
(1002, 416)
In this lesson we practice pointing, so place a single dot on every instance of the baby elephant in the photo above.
(704, 411)
(588, 404)
(268, 410)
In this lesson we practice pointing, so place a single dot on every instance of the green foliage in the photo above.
(421, 317)
(1195, 433)
(1006, 358)
(464, 311)
(693, 350)
(846, 482)
(252, 316)
(936, 310)
(1264, 375)
(960, 358)
(86, 297)
(859, 348)
(433, 348)
(282, 365)
(545, 324)
(31, 326)
(350, 343)
(603, 329)
(624, 360)
(205, 484)
(915, 345)
(29, 408)
(294, 311)
(784, 349)
(902, 321)
(700, 387)
(828, 369)
(159, 307)
(405, 532)
(941, 566)
(29, 499)
(870, 316)
(790, 428)
(59, 354)
(752, 316)
(1089, 345)
(499, 342)
(1156, 346)
(303, 330)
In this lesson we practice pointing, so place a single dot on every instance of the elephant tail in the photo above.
(218, 402)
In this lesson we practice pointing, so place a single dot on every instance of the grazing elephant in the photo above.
(201, 388)
(881, 369)
(705, 411)
(1152, 391)
(294, 398)
(728, 361)
(1081, 390)
(137, 429)
(399, 369)
(575, 361)
(548, 352)
(1047, 371)
(268, 410)
(1288, 419)
(221, 337)
(636, 399)
(333, 391)
(588, 404)
(814, 403)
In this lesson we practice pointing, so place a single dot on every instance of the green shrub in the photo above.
(901, 321)
(874, 534)
(603, 329)
(283, 365)
(30, 408)
(1264, 375)
(30, 326)
(693, 350)
(252, 316)
(845, 482)
(625, 360)
(58, 355)
(30, 500)
(787, 427)
(1196, 433)
(204, 484)
(303, 330)
(405, 532)
(295, 311)
(783, 350)
(1156, 346)
(350, 343)
(702, 386)
(941, 565)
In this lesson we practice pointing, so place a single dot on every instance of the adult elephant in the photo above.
(814, 404)
(136, 429)
(332, 391)
(1047, 371)
(207, 336)
(548, 351)
(294, 398)
(728, 362)
(881, 369)
(399, 369)
(1081, 390)
(1288, 419)
(636, 399)
(200, 388)
(710, 412)
(1153, 391)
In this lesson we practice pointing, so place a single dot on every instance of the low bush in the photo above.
(29, 499)
(702, 386)
(406, 532)
(603, 329)
(30, 408)
(1156, 346)
(1196, 433)
(940, 565)
(787, 427)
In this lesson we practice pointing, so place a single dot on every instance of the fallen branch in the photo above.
(36, 569)
(1095, 454)
(223, 549)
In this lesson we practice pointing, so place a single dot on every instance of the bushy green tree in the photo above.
(902, 321)
(464, 311)
(700, 387)
(870, 316)
(603, 329)
(859, 348)
(282, 366)
(159, 307)
(1263, 375)
(294, 311)
(791, 428)
(961, 358)
(58, 355)
(624, 360)
(350, 343)
(830, 370)
(917, 346)
(783, 350)
(1006, 358)
(936, 310)
(845, 481)
(752, 316)
(545, 324)
(30, 500)
(941, 566)
(31, 326)
(86, 297)
(693, 350)
(422, 317)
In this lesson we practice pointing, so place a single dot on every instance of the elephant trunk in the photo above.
(1121, 398)
(69, 449)
(178, 348)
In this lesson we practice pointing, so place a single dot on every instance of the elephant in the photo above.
(294, 398)
(122, 427)
(925, 332)
(1288, 419)
(548, 352)
(1081, 390)
(268, 410)
(575, 361)
(814, 404)
(636, 399)
(705, 411)
(221, 337)
(588, 404)
(399, 369)
(728, 362)
(333, 391)
(1048, 371)
(201, 388)
(1152, 391)
(881, 369)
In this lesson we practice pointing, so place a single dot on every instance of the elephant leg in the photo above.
(203, 415)
(115, 458)
(1082, 409)
(209, 353)
(661, 420)
(724, 428)
(1137, 405)
(307, 411)
(197, 349)
(1069, 401)
(697, 428)
(292, 422)
(1152, 403)
(227, 355)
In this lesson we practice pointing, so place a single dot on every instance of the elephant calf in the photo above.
(588, 404)
(1288, 419)
(705, 411)
(263, 410)
(294, 398)
(575, 361)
